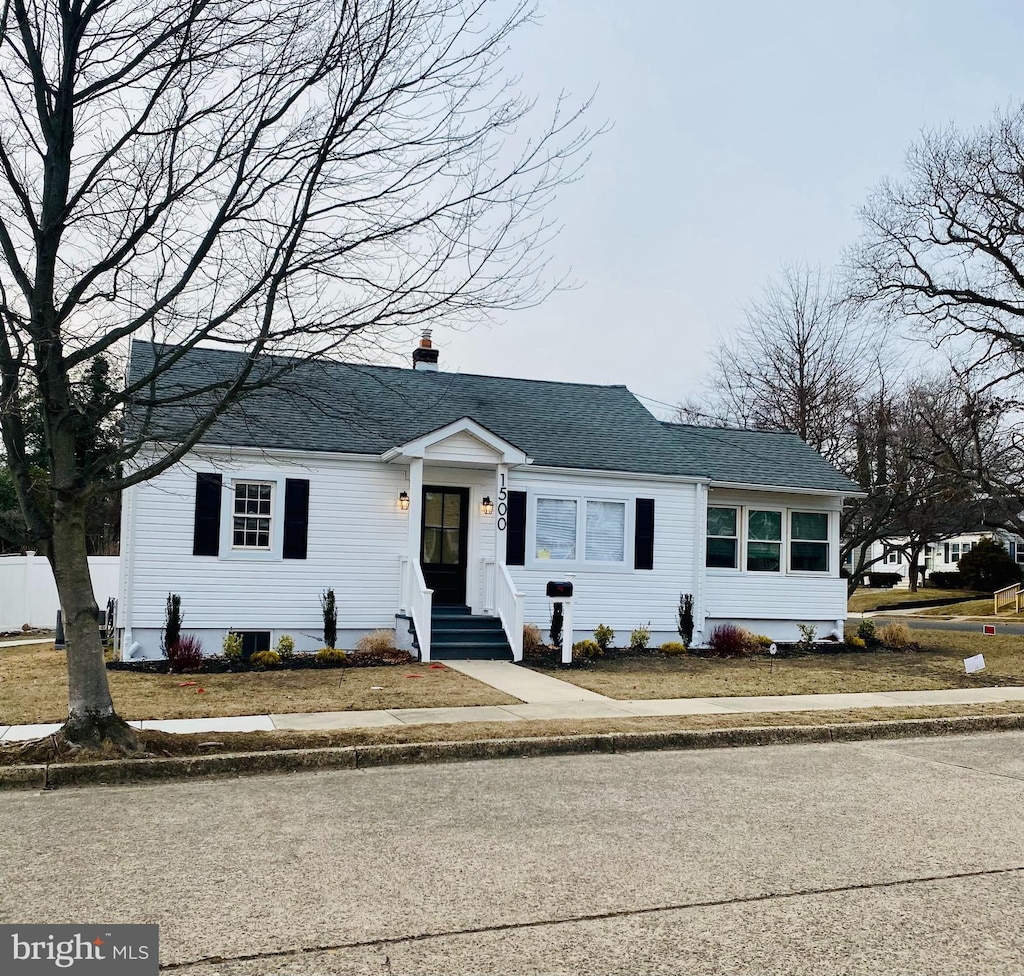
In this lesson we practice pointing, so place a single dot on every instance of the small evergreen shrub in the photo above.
(185, 654)
(685, 621)
(586, 650)
(762, 640)
(233, 646)
(639, 638)
(988, 567)
(265, 659)
(728, 640)
(896, 636)
(866, 630)
(603, 636)
(672, 647)
(330, 611)
(556, 625)
(857, 642)
(330, 657)
(286, 647)
(532, 638)
(376, 641)
(172, 621)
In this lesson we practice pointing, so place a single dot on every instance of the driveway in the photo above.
(859, 858)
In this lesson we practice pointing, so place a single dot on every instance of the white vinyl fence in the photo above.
(28, 594)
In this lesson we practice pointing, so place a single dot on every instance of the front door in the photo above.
(443, 556)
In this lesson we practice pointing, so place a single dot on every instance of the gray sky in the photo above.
(745, 135)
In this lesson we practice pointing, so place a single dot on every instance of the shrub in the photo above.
(988, 567)
(265, 659)
(639, 638)
(185, 654)
(762, 640)
(286, 647)
(603, 636)
(946, 581)
(376, 641)
(866, 630)
(330, 610)
(586, 650)
(728, 640)
(883, 580)
(532, 639)
(808, 632)
(685, 621)
(896, 636)
(330, 657)
(556, 625)
(233, 646)
(857, 642)
(672, 647)
(172, 621)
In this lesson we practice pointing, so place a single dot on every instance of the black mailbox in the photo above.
(560, 590)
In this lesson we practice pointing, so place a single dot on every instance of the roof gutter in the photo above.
(786, 489)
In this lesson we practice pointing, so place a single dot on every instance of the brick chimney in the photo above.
(424, 356)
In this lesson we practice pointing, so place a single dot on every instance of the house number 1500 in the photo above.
(502, 505)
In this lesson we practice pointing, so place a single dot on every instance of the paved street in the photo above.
(873, 858)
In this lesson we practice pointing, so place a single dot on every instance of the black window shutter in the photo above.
(515, 534)
(643, 542)
(296, 517)
(206, 532)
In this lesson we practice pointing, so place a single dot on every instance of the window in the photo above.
(808, 546)
(764, 541)
(606, 532)
(556, 528)
(892, 556)
(1018, 551)
(722, 538)
(251, 515)
(954, 552)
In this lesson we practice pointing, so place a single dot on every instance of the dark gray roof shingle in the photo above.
(347, 408)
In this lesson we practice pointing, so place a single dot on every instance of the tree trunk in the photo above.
(92, 720)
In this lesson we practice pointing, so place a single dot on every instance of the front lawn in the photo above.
(33, 688)
(969, 608)
(864, 599)
(939, 664)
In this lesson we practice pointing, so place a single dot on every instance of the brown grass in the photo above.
(968, 608)
(865, 599)
(166, 744)
(939, 664)
(33, 688)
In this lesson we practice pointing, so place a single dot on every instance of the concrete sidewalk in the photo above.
(544, 697)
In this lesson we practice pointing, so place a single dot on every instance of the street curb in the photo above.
(126, 771)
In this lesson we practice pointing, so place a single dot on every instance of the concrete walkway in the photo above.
(544, 697)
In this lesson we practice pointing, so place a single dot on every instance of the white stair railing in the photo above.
(508, 603)
(417, 601)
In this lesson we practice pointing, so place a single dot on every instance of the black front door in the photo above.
(443, 553)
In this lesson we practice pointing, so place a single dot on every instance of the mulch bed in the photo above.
(301, 662)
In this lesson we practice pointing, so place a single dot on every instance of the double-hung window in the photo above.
(723, 538)
(556, 528)
(808, 542)
(253, 505)
(764, 541)
(605, 532)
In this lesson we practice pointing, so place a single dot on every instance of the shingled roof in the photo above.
(359, 409)
(757, 457)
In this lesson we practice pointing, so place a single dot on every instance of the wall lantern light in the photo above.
(487, 506)
(403, 501)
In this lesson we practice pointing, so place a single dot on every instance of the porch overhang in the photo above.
(493, 450)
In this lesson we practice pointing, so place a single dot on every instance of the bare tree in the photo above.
(280, 177)
(800, 363)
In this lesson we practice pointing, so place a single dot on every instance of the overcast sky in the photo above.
(745, 135)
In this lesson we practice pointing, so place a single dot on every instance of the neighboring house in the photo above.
(450, 500)
(943, 555)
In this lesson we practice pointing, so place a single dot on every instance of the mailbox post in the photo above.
(560, 591)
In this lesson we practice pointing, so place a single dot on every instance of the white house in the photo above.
(450, 500)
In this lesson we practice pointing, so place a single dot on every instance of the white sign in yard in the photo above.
(973, 664)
